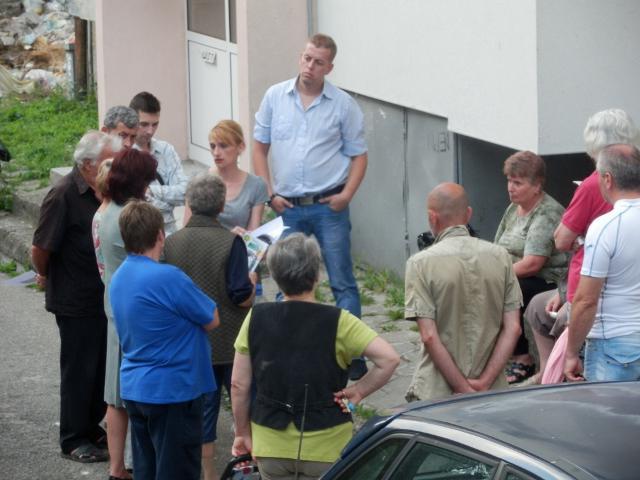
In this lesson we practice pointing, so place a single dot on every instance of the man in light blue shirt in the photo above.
(315, 132)
(168, 189)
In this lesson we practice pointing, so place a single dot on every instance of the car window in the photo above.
(512, 474)
(427, 462)
(373, 464)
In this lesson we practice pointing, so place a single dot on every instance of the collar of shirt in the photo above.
(627, 202)
(328, 91)
(79, 180)
(455, 231)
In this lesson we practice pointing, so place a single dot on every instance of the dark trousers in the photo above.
(166, 439)
(530, 286)
(83, 344)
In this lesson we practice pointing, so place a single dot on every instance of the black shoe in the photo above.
(357, 369)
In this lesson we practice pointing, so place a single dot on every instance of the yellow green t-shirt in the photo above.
(352, 338)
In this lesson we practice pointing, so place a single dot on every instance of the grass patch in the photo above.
(395, 314)
(375, 280)
(365, 413)
(395, 295)
(9, 268)
(366, 299)
(41, 132)
(414, 328)
(389, 327)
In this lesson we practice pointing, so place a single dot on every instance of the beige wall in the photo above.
(148, 37)
(271, 35)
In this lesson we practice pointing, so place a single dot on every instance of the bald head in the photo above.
(448, 205)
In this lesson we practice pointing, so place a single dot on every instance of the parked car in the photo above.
(568, 431)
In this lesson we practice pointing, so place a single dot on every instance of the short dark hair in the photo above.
(145, 102)
(131, 173)
(140, 222)
(320, 40)
(294, 263)
(623, 163)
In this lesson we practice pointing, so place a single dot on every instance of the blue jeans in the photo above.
(614, 359)
(166, 439)
(333, 231)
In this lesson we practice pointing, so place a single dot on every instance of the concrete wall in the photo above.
(523, 74)
(587, 61)
(271, 35)
(141, 45)
(473, 63)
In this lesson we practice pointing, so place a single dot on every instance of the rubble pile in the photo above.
(33, 44)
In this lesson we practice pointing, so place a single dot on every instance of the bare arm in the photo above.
(213, 323)
(40, 262)
(240, 402)
(441, 357)
(256, 217)
(583, 310)
(261, 168)
(564, 238)
(502, 350)
(339, 201)
(385, 361)
(529, 266)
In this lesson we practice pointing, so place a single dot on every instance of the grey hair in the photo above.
(294, 263)
(205, 194)
(92, 144)
(609, 127)
(121, 114)
(623, 163)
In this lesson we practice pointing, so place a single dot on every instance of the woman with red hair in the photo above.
(131, 173)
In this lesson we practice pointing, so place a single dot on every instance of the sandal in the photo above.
(86, 453)
(517, 372)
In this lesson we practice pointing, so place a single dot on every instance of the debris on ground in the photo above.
(34, 45)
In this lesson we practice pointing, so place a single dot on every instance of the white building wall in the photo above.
(471, 62)
(524, 74)
(587, 61)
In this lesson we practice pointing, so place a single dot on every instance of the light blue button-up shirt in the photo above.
(311, 149)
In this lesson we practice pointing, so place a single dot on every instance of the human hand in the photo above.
(337, 202)
(477, 385)
(279, 203)
(238, 230)
(553, 304)
(466, 388)
(347, 399)
(573, 368)
(253, 277)
(41, 281)
(242, 445)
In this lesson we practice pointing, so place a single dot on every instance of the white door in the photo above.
(212, 52)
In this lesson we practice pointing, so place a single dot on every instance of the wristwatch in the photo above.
(268, 202)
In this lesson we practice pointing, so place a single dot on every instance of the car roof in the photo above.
(595, 426)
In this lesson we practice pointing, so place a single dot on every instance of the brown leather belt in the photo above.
(313, 199)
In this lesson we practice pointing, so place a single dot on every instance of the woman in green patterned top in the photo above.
(526, 231)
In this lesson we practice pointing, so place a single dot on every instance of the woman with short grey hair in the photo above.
(205, 194)
(298, 353)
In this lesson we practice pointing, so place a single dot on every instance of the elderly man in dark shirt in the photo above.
(64, 259)
(216, 260)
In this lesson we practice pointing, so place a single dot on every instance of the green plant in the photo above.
(320, 295)
(365, 413)
(375, 280)
(414, 328)
(9, 268)
(365, 298)
(395, 296)
(395, 314)
(41, 132)
(389, 327)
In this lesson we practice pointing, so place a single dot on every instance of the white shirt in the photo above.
(612, 252)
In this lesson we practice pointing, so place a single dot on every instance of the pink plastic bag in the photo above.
(553, 372)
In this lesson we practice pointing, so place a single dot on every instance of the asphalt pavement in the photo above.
(29, 394)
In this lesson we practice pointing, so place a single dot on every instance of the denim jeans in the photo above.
(333, 231)
(614, 359)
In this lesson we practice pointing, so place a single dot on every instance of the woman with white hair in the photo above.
(546, 313)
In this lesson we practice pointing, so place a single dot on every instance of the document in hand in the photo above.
(258, 241)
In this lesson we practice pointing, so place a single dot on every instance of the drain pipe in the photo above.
(311, 28)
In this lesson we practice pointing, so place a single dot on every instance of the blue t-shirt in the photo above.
(159, 314)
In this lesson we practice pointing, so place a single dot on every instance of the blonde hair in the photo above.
(227, 131)
(102, 179)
